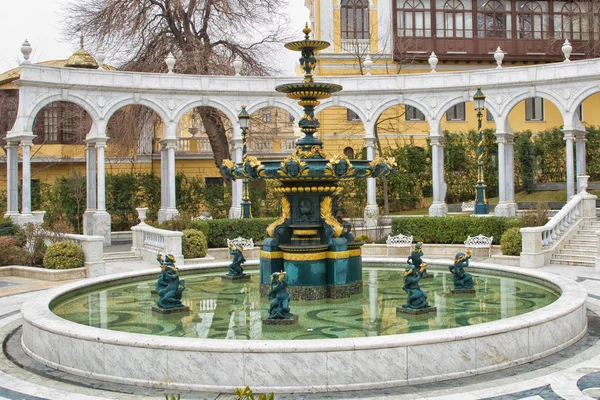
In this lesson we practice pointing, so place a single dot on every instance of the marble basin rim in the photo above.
(295, 366)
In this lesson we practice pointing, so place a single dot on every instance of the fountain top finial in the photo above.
(306, 31)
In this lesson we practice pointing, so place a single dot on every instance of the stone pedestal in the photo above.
(289, 321)
(506, 210)
(417, 311)
(165, 311)
(235, 277)
(438, 210)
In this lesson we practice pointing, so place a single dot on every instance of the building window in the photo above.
(580, 112)
(532, 19)
(355, 19)
(534, 109)
(349, 152)
(351, 116)
(413, 114)
(452, 20)
(50, 132)
(492, 21)
(414, 18)
(456, 113)
(61, 122)
(570, 21)
(488, 116)
(266, 116)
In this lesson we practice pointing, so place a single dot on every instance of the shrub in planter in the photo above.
(11, 253)
(194, 244)
(511, 242)
(63, 255)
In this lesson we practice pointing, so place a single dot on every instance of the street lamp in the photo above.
(243, 117)
(481, 203)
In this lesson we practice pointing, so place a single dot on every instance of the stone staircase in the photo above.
(581, 249)
(121, 256)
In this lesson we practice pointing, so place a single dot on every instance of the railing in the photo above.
(357, 46)
(148, 241)
(540, 242)
(93, 250)
(288, 145)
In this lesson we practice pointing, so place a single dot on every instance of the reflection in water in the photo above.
(234, 310)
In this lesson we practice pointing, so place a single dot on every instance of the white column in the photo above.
(12, 179)
(89, 221)
(439, 207)
(569, 136)
(580, 153)
(168, 208)
(171, 146)
(102, 219)
(235, 211)
(506, 187)
(163, 183)
(500, 138)
(371, 214)
(26, 143)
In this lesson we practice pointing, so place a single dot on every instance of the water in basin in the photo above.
(234, 310)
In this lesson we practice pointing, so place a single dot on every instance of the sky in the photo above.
(39, 22)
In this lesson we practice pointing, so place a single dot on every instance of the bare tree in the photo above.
(204, 35)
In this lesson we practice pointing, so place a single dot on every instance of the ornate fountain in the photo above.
(314, 247)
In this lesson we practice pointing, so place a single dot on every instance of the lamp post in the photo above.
(243, 117)
(481, 203)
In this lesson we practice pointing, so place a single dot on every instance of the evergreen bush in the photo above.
(194, 244)
(511, 242)
(63, 255)
(452, 230)
(11, 253)
(199, 225)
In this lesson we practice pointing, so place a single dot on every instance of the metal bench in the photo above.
(399, 241)
(247, 244)
(480, 242)
(468, 207)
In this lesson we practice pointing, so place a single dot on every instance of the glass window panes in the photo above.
(456, 113)
(413, 114)
(352, 116)
(355, 19)
(534, 109)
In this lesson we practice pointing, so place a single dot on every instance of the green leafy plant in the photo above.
(363, 238)
(199, 225)
(222, 229)
(11, 253)
(173, 397)
(63, 255)
(511, 242)
(246, 394)
(194, 244)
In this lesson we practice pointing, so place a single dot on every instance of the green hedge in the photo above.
(63, 255)
(219, 230)
(452, 230)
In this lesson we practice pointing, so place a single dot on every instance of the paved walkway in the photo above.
(573, 373)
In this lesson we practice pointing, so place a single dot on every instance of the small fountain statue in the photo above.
(170, 288)
(416, 302)
(415, 259)
(279, 309)
(235, 268)
(463, 282)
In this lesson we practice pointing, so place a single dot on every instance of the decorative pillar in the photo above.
(168, 208)
(26, 215)
(235, 211)
(171, 145)
(90, 174)
(162, 212)
(102, 217)
(439, 207)
(371, 214)
(569, 136)
(12, 179)
(506, 205)
(580, 154)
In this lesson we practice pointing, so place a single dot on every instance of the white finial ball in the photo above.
(433, 61)
(26, 51)
(170, 61)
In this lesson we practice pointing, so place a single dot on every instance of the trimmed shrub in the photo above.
(199, 225)
(452, 230)
(363, 238)
(222, 229)
(11, 253)
(194, 244)
(63, 255)
(511, 243)
(9, 228)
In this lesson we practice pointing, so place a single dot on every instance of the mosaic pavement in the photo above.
(573, 373)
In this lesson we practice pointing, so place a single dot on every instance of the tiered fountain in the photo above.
(309, 242)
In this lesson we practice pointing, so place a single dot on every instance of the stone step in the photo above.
(574, 257)
(121, 255)
(573, 263)
(576, 246)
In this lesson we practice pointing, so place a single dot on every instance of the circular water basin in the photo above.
(234, 309)
(359, 343)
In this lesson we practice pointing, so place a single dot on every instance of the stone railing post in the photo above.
(532, 255)
(93, 252)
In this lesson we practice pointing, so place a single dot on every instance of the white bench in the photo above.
(480, 242)
(399, 241)
(247, 244)
(468, 207)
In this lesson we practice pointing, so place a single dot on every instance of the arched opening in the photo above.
(271, 130)
(349, 152)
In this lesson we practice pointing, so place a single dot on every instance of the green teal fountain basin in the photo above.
(223, 309)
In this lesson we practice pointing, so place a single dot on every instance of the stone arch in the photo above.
(296, 112)
(343, 103)
(516, 98)
(385, 104)
(129, 101)
(131, 129)
(224, 107)
(71, 98)
(444, 107)
(576, 100)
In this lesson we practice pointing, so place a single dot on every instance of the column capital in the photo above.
(437, 140)
(504, 136)
(580, 136)
(569, 134)
(26, 138)
(370, 141)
